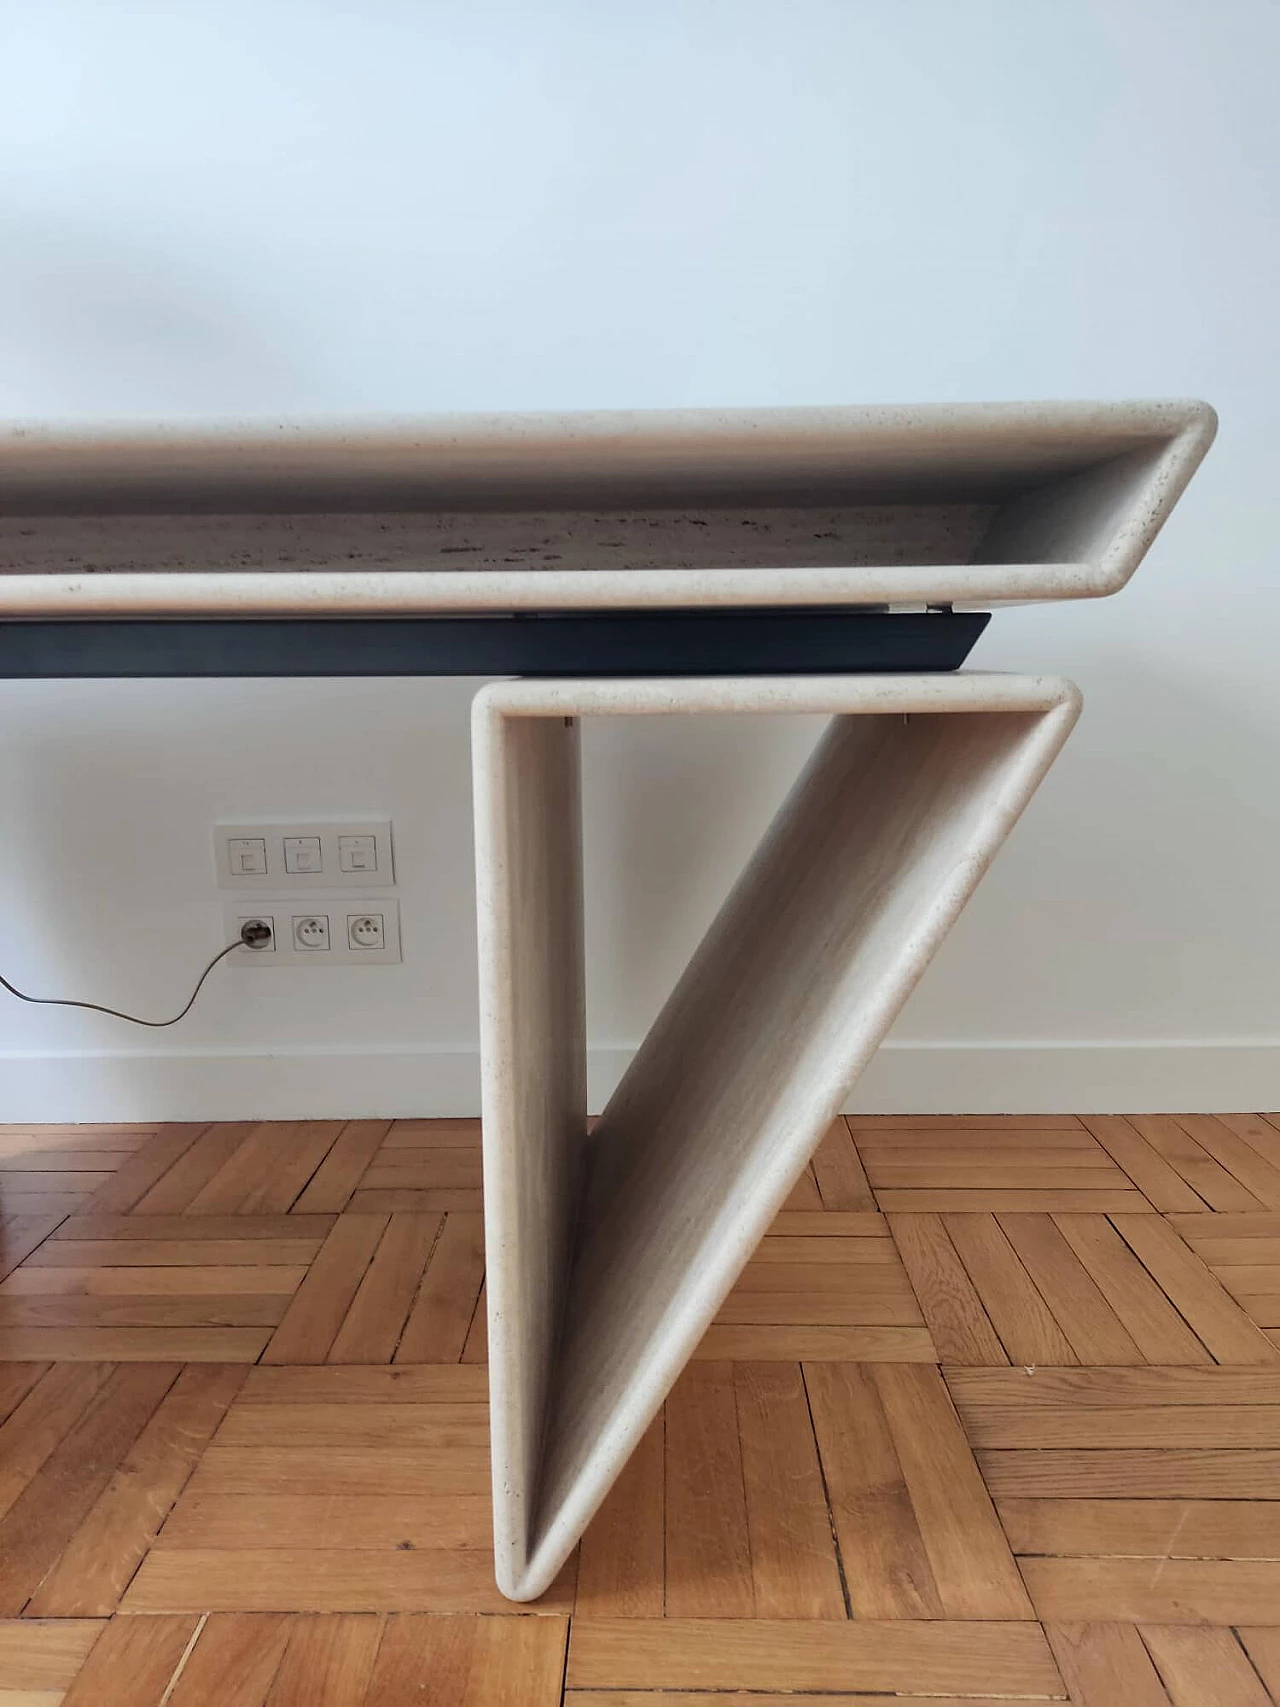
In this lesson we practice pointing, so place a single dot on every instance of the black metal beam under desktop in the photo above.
(732, 642)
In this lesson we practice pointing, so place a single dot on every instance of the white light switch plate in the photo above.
(354, 853)
(345, 920)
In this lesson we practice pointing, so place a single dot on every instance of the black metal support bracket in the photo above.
(783, 641)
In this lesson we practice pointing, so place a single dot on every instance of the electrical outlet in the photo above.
(323, 931)
(267, 919)
(311, 933)
(348, 854)
(366, 932)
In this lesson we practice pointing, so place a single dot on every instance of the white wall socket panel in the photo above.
(355, 854)
(318, 930)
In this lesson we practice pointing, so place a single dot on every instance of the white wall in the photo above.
(275, 208)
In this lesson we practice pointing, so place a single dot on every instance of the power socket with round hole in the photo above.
(322, 930)
(311, 933)
(366, 932)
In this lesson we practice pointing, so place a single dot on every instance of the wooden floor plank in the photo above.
(268, 1170)
(1187, 1283)
(1159, 1332)
(888, 1123)
(830, 1224)
(318, 1307)
(1248, 1278)
(886, 1567)
(342, 1470)
(1263, 1647)
(842, 1180)
(442, 1311)
(276, 1280)
(856, 1307)
(1077, 1306)
(420, 1384)
(793, 1559)
(39, 1659)
(59, 1160)
(180, 1228)
(1240, 1158)
(621, 1564)
(327, 1521)
(16, 1381)
(976, 1389)
(1154, 1426)
(328, 1661)
(983, 1159)
(136, 1345)
(1155, 1591)
(921, 1658)
(475, 1348)
(285, 1579)
(877, 1282)
(330, 1188)
(42, 1420)
(36, 1206)
(390, 1200)
(1069, 1473)
(95, 1568)
(1154, 1529)
(958, 1200)
(785, 1250)
(708, 1552)
(423, 1170)
(44, 1517)
(808, 1344)
(1001, 1177)
(953, 1312)
(373, 1426)
(1210, 1180)
(470, 1662)
(1162, 1186)
(153, 1310)
(132, 1662)
(371, 1329)
(1204, 1665)
(1021, 1317)
(37, 1182)
(970, 1558)
(22, 1234)
(134, 1178)
(174, 1253)
(449, 1134)
(1264, 1310)
(174, 1191)
(768, 1698)
(1106, 1665)
(233, 1662)
(804, 1195)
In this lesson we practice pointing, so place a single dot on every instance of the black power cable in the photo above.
(252, 935)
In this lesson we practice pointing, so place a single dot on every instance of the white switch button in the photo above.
(302, 854)
(247, 856)
(358, 853)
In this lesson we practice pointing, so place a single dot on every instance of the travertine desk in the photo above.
(366, 550)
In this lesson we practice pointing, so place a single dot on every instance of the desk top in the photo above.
(972, 505)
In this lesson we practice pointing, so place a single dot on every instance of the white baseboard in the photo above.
(914, 1078)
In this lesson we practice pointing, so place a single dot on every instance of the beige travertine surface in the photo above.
(866, 866)
(973, 503)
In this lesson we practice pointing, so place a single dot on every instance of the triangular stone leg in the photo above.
(609, 1256)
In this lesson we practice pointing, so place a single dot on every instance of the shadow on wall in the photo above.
(673, 807)
(1115, 909)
